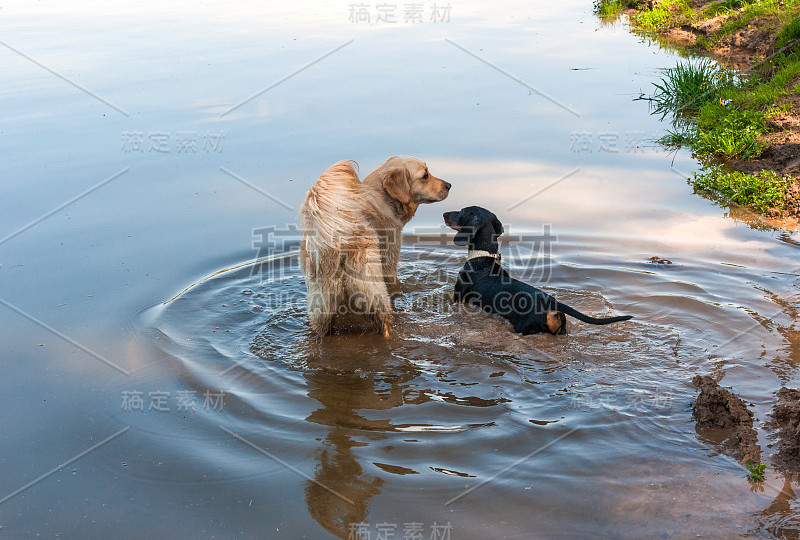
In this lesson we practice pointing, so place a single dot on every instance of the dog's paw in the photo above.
(387, 329)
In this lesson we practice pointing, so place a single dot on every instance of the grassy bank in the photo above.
(740, 112)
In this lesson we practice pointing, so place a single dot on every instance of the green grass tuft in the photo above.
(761, 191)
(729, 132)
(720, 7)
(756, 472)
(788, 33)
(665, 14)
(609, 10)
(684, 89)
(674, 139)
(716, 114)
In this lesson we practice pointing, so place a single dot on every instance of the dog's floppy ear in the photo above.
(466, 232)
(396, 183)
(498, 227)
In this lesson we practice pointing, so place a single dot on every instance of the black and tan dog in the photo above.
(483, 282)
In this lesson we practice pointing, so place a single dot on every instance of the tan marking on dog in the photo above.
(555, 321)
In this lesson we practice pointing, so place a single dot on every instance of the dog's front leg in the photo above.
(387, 325)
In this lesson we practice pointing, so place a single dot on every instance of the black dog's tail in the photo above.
(591, 320)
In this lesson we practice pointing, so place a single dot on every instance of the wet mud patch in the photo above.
(786, 420)
(723, 416)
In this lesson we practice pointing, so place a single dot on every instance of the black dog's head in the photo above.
(477, 228)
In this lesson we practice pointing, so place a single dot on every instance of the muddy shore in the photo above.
(726, 417)
(747, 49)
(718, 409)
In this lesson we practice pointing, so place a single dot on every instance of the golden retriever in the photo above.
(352, 235)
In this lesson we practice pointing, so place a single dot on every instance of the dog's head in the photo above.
(477, 227)
(407, 180)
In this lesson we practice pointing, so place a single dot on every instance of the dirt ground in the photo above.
(786, 420)
(718, 409)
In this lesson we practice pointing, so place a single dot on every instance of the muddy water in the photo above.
(158, 382)
(459, 421)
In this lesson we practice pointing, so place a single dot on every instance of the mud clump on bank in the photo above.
(786, 419)
(718, 409)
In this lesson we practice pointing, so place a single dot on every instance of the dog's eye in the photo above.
(425, 176)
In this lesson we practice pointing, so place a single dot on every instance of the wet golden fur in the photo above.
(352, 234)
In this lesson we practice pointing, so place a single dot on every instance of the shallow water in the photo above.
(169, 386)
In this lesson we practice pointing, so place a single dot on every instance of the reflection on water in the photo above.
(781, 518)
(339, 495)
(783, 227)
(456, 398)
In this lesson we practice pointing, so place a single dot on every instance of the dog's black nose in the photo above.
(447, 186)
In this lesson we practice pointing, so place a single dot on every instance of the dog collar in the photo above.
(475, 253)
